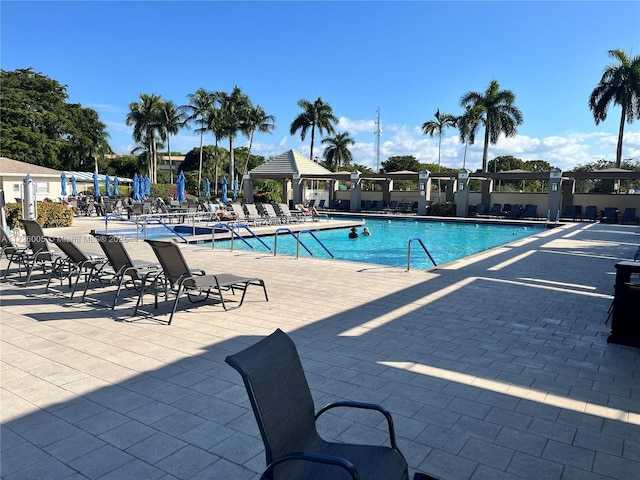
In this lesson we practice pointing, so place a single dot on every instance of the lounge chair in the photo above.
(124, 271)
(38, 252)
(75, 263)
(496, 210)
(284, 410)
(288, 215)
(530, 211)
(252, 210)
(572, 212)
(629, 216)
(270, 213)
(321, 204)
(591, 213)
(176, 277)
(11, 251)
(515, 211)
(610, 215)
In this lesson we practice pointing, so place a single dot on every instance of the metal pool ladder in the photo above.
(298, 241)
(423, 248)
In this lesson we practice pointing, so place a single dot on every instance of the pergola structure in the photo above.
(293, 169)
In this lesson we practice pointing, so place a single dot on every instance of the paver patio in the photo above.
(496, 366)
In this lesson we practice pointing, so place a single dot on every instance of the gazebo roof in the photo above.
(288, 164)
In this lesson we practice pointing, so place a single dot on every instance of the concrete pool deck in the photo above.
(495, 366)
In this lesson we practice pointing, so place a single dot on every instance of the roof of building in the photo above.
(287, 164)
(9, 166)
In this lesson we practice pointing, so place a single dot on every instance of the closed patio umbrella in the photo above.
(115, 186)
(207, 188)
(107, 184)
(224, 197)
(74, 187)
(180, 193)
(235, 188)
(136, 187)
(63, 185)
(96, 185)
(147, 186)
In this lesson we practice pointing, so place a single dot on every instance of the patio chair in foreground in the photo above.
(75, 263)
(176, 277)
(284, 409)
(38, 252)
(11, 251)
(125, 271)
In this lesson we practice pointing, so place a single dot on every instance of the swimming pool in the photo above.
(387, 245)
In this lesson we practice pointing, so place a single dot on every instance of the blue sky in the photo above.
(405, 58)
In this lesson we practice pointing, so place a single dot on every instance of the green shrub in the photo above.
(49, 215)
(442, 209)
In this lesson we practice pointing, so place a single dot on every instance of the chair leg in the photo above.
(175, 303)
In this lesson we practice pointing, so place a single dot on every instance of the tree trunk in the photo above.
(232, 166)
(200, 168)
(313, 135)
(170, 163)
(620, 135)
(485, 151)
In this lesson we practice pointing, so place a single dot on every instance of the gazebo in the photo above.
(289, 167)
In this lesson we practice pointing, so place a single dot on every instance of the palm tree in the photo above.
(438, 125)
(171, 120)
(234, 108)
(199, 104)
(337, 151)
(620, 85)
(257, 121)
(317, 114)
(468, 124)
(145, 118)
(214, 124)
(500, 115)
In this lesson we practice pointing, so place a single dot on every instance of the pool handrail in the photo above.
(317, 240)
(138, 223)
(297, 237)
(416, 239)
(232, 231)
(298, 241)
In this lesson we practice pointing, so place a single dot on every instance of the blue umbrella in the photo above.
(74, 187)
(107, 183)
(180, 194)
(207, 188)
(63, 185)
(147, 186)
(96, 185)
(235, 188)
(136, 187)
(224, 197)
(115, 186)
(141, 187)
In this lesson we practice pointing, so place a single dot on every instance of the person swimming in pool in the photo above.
(353, 233)
(366, 232)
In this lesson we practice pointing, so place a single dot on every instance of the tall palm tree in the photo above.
(234, 108)
(197, 109)
(620, 85)
(438, 125)
(317, 114)
(337, 151)
(500, 115)
(468, 124)
(214, 125)
(145, 118)
(171, 120)
(257, 121)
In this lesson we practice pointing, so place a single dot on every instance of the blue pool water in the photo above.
(389, 239)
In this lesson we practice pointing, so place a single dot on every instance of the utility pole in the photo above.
(378, 134)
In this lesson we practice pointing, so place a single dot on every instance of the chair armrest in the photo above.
(366, 406)
(312, 457)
